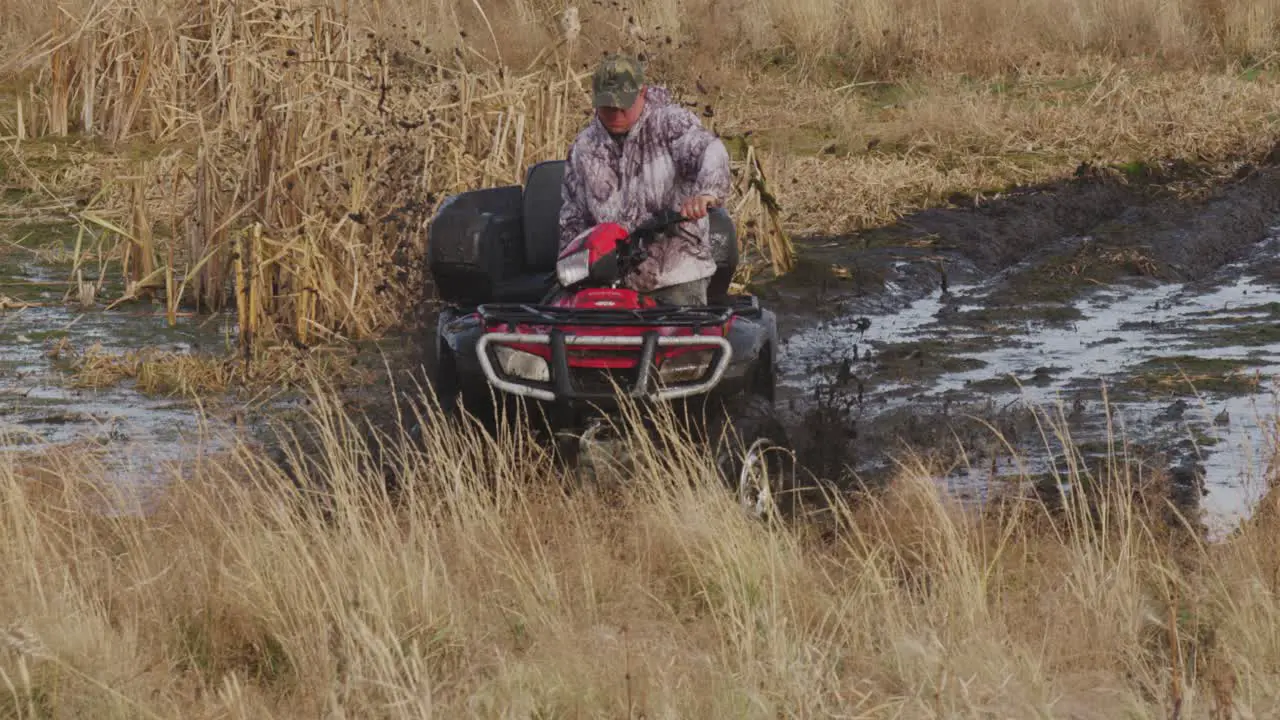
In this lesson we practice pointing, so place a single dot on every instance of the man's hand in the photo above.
(695, 208)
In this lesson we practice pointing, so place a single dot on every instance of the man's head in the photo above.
(618, 92)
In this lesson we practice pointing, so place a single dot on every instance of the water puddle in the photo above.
(1149, 343)
(138, 437)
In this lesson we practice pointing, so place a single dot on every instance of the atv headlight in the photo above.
(574, 268)
(521, 364)
(686, 367)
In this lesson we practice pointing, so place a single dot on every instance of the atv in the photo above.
(523, 322)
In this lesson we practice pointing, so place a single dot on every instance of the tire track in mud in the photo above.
(957, 296)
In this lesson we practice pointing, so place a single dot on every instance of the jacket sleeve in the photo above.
(699, 155)
(574, 215)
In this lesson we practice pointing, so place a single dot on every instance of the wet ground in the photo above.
(138, 436)
(1125, 314)
(939, 333)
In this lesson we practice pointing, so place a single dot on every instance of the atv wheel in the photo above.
(444, 379)
(753, 456)
(458, 397)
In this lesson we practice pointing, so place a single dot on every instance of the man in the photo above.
(642, 153)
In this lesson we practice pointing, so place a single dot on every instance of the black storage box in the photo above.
(475, 243)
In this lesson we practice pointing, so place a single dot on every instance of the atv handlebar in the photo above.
(657, 223)
(652, 226)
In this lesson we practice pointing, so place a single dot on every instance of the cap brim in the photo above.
(614, 99)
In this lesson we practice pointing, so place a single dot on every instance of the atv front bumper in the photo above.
(557, 382)
(738, 355)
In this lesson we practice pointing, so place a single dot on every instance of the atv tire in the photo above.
(452, 397)
(753, 455)
(443, 373)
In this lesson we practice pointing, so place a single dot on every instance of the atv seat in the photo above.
(541, 210)
(540, 244)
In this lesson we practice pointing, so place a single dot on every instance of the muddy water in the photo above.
(1154, 322)
(935, 334)
(138, 437)
(1135, 340)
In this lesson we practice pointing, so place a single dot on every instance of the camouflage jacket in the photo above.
(666, 158)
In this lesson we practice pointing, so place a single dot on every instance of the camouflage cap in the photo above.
(617, 82)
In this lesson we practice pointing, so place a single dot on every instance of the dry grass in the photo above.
(272, 157)
(844, 161)
(196, 376)
(283, 157)
(487, 590)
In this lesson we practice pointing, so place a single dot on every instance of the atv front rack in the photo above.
(694, 316)
(561, 386)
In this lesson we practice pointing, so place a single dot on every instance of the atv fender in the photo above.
(454, 373)
(754, 339)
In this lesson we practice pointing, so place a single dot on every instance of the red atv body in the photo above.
(526, 322)
(591, 332)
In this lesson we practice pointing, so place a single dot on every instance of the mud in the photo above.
(958, 321)
(1184, 219)
(949, 333)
